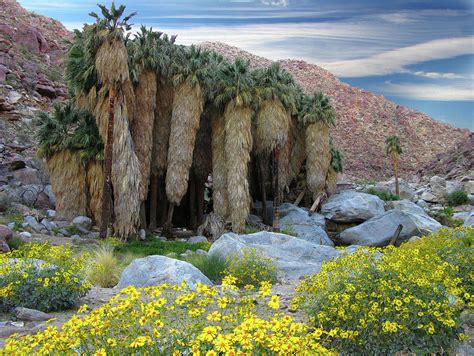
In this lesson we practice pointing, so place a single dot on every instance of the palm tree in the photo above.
(165, 53)
(190, 72)
(275, 88)
(394, 149)
(317, 115)
(235, 93)
(113, 112)
(144, 64)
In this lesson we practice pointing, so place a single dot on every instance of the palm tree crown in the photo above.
(235, 84)
(316, 108)
(393, 146)
(191, 65)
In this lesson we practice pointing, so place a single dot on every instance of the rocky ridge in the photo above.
(365, 119)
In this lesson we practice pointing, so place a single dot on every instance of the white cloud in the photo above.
(437, 75)
(275, 2)
(394, 61)
(430, 91)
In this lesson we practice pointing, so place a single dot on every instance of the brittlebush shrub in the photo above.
(175, 320)
(41, 276)
(408, 299)
(251, 268)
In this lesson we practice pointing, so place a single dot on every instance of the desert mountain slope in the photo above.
(365, 119)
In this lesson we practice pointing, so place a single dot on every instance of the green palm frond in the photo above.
(393, 146)
(316, 108)
(235, 83)
(337, 159)
(191, 64)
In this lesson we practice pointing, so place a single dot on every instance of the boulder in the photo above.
(4, 248)
(469, 220)
(27, 176)
(27, 314)
(293, 256)
(406, 191)
(305, 226)
(453, 186)
(197, 239)
(438, 187)
(82, 222)
(31, 221)
(430, 197)
(350, 206)
(406, 206)
(48, 224)
(379, 230)
(5, 233)
(25, 234)
(155, 270)
(46, 90)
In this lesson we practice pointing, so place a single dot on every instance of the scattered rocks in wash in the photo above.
(197, 239)
(27, 314)
(155, 270)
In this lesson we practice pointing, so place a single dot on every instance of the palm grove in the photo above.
(149, 121)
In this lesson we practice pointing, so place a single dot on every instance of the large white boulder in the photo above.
(350, 206)
(293, 256)
(406, 206)
(307, 227)
(379, 230)
(155, 270)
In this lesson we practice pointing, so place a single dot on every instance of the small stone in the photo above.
(76, 236)
(142, 234)
(50, 213)
(33, 223)
(27, 314)
(82, 221)
(25, 234)
(197, 239)
(161, 238)
(201, 252)
(48, 224)
(18, 324)
(64, 232)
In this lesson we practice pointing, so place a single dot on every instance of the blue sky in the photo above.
(416, 53)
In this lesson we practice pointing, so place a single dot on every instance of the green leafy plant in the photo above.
(446, 217)
(458, 197)
(407, 300)
(251, 268)
(385, 196)
(43, 277)
(289, 230)
(212, 266)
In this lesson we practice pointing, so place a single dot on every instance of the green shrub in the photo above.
(212, 266)
(73, 230)
(406, 300)
(153, 246)
(15, 243)
(251, 268)
(385, 196)
(104, 267)
(459, 197)
(446, 217)
(57, 283)
(288, 230)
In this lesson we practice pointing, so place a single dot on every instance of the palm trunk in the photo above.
(261, 178)
(395, 169)
(153, 201)
(200, 191)
(107, 191)
(276, 191)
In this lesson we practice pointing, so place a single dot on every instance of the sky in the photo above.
(416, 53)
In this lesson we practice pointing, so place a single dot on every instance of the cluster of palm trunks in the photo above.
(184, 132)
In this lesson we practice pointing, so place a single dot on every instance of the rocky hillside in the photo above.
(365, 119)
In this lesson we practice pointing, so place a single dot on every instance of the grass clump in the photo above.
(459, 197)
(153, 246)
(385, 196)
(251, 268)
(289, 230)
(407, 300)
(212, 266)
(104, 267)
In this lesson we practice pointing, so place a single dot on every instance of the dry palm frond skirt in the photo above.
(161, 134)
(219, 170)
(187, 110)
(142, 126)
(238, 145)
(68, 180)
(273, 126)
(95, 185)
(331, 182)
(318, 157)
